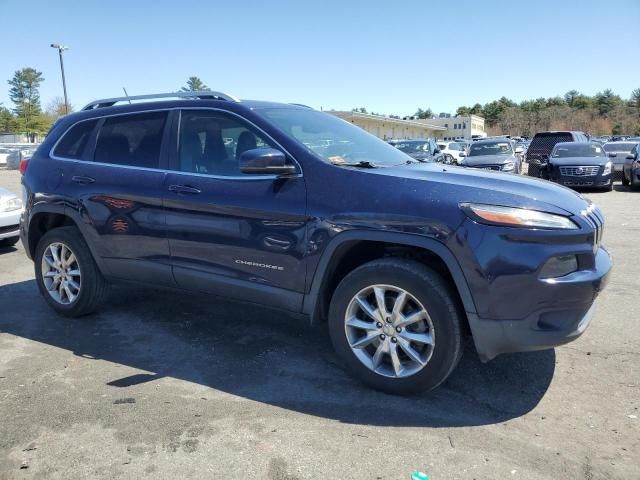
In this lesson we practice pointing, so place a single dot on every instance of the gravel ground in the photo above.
(168, 385)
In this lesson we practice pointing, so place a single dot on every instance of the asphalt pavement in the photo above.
(168, 385)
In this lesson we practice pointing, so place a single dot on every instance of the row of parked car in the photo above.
(12, 154)
(574, 160)
(569, 158)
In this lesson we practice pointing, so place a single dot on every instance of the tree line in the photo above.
(28, 117)
(603, 113)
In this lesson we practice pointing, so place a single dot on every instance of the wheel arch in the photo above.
(351, 249)
(45, 219)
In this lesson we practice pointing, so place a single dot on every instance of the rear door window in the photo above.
(133, 140)
(73, 143)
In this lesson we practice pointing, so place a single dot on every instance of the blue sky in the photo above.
(390, 57)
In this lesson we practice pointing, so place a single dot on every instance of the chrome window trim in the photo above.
(133, 167)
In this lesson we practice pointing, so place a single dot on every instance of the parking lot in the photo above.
(171, 385)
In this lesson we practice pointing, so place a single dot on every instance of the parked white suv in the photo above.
(453, 150)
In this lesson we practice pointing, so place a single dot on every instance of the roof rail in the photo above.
(203, 95)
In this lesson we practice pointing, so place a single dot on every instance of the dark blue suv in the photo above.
(292, 208)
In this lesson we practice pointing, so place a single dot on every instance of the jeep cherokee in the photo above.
(289, 207)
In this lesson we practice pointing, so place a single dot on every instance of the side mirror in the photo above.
(519, 150)
(612, 154)
(265, 161)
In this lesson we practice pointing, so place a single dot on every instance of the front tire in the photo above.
(67, 276)
(396, 326)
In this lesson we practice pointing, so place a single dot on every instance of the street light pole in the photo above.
(61, 48)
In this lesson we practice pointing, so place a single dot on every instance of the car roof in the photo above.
(493, 140)
(566, 144)
(150, 106)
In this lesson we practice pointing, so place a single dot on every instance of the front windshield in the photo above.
(565, 150)
(619, 147)
(412, 147)
(334, 140)
(492, 148)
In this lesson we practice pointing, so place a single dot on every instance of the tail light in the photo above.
(23, 165)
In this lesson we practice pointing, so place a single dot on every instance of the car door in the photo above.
(233, 234)
(117, 196)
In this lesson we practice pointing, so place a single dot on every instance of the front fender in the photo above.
(401, 239)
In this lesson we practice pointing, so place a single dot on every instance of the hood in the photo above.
(493, 188)
(488, 160)
(586, 161)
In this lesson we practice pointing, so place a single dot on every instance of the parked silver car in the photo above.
(10, 210)
(618, 151)
(498, 155)
(14, 159)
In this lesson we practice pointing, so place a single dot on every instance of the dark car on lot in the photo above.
(211, 194)
(631, 168)
(496, 155)
(618, 152)
(580, 164)
(426, 151)
(540, 149)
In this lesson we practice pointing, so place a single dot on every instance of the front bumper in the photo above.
(10, 224)
(548, 327)
(595, 181)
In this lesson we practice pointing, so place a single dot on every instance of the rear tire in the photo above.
(394, 367)
(625, 181)
(82, 273)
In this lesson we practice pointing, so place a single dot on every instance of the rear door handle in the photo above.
(82, 180)
(184, 189)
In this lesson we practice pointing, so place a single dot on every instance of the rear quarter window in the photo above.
(73, 143)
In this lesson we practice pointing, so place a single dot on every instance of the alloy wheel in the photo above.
(61, 273)
(389, 331)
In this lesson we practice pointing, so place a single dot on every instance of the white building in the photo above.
(388, 128)
(460, 127)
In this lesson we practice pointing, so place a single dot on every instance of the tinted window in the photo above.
(563, 150)
(619, 147)
(133, 139)
(74, 142)
(212, 142)
(493, 148)
(412, 147)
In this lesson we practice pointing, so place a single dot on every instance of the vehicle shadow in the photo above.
(268, 357)
(4, 250)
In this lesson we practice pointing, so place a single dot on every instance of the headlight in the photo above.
(10, 204)
(516, 217)
(509, 166)
(607, 169)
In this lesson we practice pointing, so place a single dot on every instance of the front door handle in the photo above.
(82, 180)
(184, 189)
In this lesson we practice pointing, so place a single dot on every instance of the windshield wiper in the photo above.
(360, 164)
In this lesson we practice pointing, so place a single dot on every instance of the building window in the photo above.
(446, 125)
(464, 125)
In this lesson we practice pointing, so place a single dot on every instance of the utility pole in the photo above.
(62, 48)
